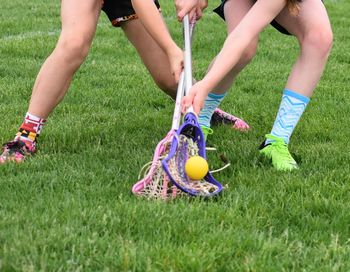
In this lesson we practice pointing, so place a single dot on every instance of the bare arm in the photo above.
(259, 16)
(153, 22)
(150, 17)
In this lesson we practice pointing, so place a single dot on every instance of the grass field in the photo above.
(70, 207)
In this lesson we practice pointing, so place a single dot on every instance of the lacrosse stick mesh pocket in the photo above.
(187, 148)
(153, 181)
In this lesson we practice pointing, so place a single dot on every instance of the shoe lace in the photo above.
(279, 144)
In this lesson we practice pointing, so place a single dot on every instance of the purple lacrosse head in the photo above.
(190, 128)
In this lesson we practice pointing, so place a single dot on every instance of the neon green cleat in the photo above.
(206, 131)
(278, 152)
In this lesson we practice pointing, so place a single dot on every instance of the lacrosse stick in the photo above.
(189, 141)
(155, 183)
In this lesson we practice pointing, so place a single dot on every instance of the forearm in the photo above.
(228, 57)
(154, 24)
(261, 14)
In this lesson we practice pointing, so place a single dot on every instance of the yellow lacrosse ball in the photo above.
(196, 167)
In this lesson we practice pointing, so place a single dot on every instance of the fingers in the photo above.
(194, 99)
(187, 102)
(184, 7)
(197, 108)
(191, 100)
(193, 13)
(198, 102)
(198, 14)
(194, 8)
(181, 14)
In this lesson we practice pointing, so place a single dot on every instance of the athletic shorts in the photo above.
(220, 10)
(119, 11)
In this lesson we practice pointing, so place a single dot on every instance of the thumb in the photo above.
(181, 14)
(196, 108)
(184, 105)
(192, 15)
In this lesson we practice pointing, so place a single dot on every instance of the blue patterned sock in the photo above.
(291, 108)
(211, 103)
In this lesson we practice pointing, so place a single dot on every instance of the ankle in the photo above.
(30, 129)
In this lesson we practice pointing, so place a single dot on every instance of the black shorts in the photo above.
(220, 10)
(120, 10)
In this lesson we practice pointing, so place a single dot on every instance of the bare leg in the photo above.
(234, 11)
(79, 19)
(313, 31)
(155, 60)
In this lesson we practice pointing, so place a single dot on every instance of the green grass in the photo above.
(70, 207)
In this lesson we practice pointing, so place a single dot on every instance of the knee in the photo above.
(319, 40)
(248, 54)
(73, 50)
(168, 86)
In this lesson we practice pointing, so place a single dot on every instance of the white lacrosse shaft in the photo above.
(180, 87)
(179, 96)
(188, 59)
